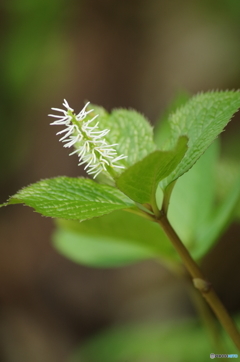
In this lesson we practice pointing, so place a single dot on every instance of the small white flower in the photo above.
(91, 147)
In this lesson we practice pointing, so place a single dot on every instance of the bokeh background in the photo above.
(129, 53)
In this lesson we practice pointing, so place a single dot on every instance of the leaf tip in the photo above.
(4, 204)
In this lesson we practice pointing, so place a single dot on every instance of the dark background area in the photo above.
(135, 54)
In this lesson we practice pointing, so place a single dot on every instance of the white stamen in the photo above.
(119, 158)
(58, 110)
(93, 149)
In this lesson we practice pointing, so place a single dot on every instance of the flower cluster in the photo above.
(91, 147)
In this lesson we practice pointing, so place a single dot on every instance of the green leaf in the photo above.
(97, 251)
(201, 119)
(228, 174)
(141, 180)
(71, 198)
(129, 129)
(220, 219)
(112, 240)
(181, 341)
(193, 211)
(193, 198)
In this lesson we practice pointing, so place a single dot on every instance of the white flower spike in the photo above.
(91, 147)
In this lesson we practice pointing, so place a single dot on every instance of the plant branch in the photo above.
(207, 319)
(200, 282)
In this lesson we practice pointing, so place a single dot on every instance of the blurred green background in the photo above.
(129, 53)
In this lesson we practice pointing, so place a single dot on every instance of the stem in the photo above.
(200, 282)
(207, 319)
